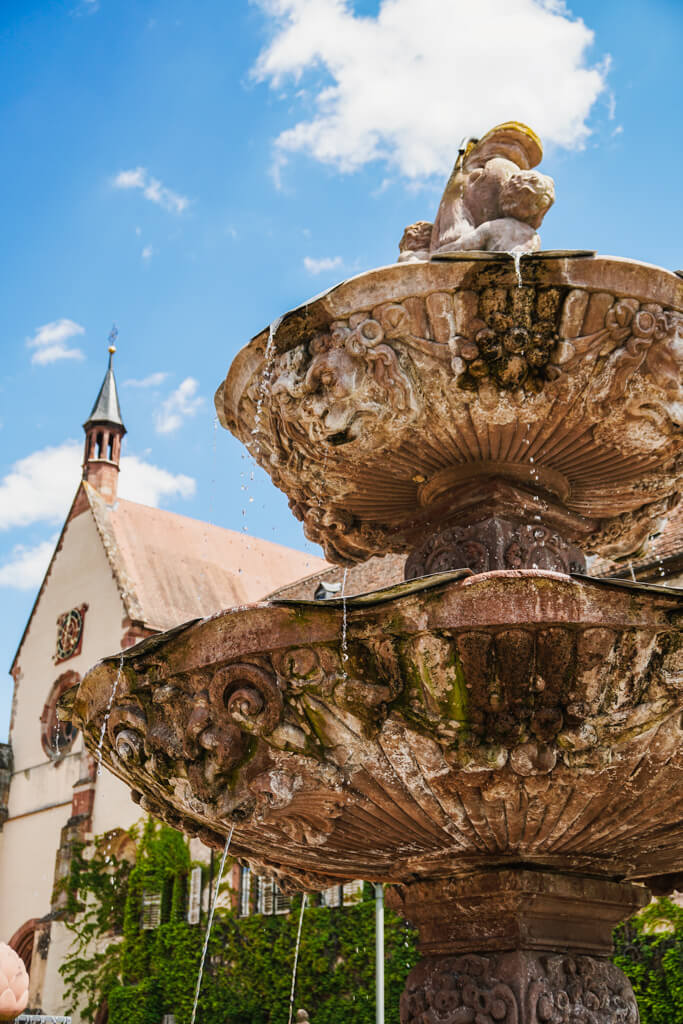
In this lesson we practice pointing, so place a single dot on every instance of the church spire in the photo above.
(104, 431)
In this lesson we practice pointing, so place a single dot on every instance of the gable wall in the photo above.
(41, 790)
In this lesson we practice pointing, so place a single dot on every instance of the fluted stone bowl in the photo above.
(387, 404)
(460, 722)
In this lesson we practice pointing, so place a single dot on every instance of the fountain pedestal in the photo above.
(517, 947)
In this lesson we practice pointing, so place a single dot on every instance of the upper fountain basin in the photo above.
(440, 727)
(424, 392)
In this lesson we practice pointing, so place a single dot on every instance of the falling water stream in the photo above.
(209, 924)
(344, 642)
(296, 958)
(268, 367)
(105, 721)
(517, 259)
(254, 447)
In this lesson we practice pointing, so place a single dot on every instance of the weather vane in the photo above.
(113, 335)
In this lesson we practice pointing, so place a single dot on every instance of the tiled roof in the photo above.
(659, 555)
(170, 568)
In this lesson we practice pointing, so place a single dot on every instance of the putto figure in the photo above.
(494, 201)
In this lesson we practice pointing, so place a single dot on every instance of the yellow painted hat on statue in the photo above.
(511, 140)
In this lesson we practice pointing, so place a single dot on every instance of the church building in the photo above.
(121, 571)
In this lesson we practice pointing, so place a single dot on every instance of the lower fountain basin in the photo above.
(513, 717)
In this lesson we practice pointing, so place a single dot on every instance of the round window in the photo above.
(57, 737)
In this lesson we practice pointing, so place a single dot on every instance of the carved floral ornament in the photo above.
(509, 341)
(354, 417)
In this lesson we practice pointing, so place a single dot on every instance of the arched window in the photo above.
(22, 941)
(57, 737)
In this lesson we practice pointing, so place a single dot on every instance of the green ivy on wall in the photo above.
(649, 949)
(144, 974)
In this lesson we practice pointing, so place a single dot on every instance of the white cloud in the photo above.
(406, 85)
(147, 253)
(148, 484)
(180, 405)
(49, 342)
(41, 486)
(27, 566)
(152, 189)
(314, 266)
(153, 380)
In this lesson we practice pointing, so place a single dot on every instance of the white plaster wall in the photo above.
(44, 784)
(80, 573)
(113, 805)
(52, 999)
(31, 836)
(27, 870)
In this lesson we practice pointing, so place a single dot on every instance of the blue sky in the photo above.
(191, 170)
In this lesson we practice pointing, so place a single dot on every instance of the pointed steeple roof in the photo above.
(106, 408)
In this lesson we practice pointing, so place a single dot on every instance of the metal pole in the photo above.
(379, 953)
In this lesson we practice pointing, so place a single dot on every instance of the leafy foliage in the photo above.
(94, 909)
(649, 950)
(247, 977)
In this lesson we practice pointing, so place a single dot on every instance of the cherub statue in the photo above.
(415, 242)
(493, 201)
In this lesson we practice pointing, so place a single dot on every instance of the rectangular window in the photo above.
(281, 900)
(245, 892)
(352, 893)
(151, 911)
(194, 900)
(265, 895)
(331, 897)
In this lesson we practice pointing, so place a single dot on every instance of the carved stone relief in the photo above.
(417, 735)
(518, 988)
(494, 544)
(544, 379)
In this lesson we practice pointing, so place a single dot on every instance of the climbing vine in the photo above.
(649, 949)
(144, 974)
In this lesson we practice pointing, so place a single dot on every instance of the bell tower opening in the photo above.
(104, 431)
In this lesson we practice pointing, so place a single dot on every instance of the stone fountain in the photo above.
(499, 735)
